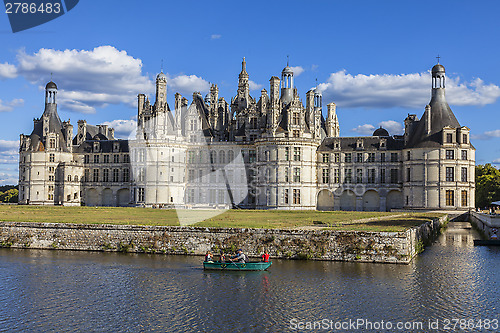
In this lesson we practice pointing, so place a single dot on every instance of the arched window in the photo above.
(230, 155)
(75, 178)
(212, 157)
(222, 157)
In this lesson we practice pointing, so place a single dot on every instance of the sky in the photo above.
(372, 58)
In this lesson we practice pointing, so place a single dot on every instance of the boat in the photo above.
(236, 266)
(486, 242)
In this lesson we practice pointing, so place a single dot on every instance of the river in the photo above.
(71, 291)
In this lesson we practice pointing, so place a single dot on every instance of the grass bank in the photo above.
(338, 220)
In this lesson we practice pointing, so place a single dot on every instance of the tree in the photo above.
(9, 196)
(487, 185)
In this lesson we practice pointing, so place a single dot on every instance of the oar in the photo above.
(236, 265)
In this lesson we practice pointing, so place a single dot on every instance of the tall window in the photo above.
(126, 175)
(296, 153)
(464, 154)
(191, 156)
(96, 158)
(326, 158)
(191, 175)
(371, 176)
(326, 176)
(337, 157)
(296, 118)
(193, 124)
(408, 174)
(348, 157)
(336, 175)
(296, 196)
(382, 157)
(253, 123)
(285, 198)
(222, 157)
(450, 154)
(464, 138)
(394, 157)
(408, 155)
(464, 174)
(190, 196)
(450, 199)
(359, 157)
(116, 175)
(464, 198)
(86, 175)
(252, 156)
(140, 194)
(86, 159)
(116, 158)
(287, 153)
(105, 175)
(382, 176)
(96, 175)
(296, 175)
(296, 133)
(52, 143)
(52, 158)
(371, 157)
(394, 176)
(449, 138)
(287, 179)
(359, 175)
(212, 157)
(348, 176)
(450, 174)
(105, 158)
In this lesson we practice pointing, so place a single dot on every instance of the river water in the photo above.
(70, 291)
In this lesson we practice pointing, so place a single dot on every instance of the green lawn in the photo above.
(338, 220)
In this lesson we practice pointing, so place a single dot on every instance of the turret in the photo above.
(161, 92)
(287, 85)
(332, 122)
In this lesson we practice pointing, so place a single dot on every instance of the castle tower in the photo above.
(287, 85)
(332, 122)
(161, 92)
(438, 159)
(316, 119)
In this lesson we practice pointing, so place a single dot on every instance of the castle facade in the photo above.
(273, 152)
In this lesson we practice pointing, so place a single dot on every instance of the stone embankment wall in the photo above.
(384, 247)
(488, 224)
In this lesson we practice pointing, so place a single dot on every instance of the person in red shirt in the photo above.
(265, 257)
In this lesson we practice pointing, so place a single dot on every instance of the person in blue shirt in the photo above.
(239, 257)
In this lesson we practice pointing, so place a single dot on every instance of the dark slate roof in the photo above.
(51, 85)
(55, 126)
(380, 132)
(241, 130)
(104, 146)
(441, 116)
(203, 111)
(369, 143)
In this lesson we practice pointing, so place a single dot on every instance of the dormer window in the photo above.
(96, 146)
(449, 138)
(52, 143)
(464, 139)
(116, 146)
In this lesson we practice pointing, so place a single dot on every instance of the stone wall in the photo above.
(488, 224)
(385, 247)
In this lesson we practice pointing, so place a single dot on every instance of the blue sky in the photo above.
(372, 58)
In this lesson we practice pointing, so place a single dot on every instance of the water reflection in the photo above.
(83, 291)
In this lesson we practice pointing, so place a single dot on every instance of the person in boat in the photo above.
(265, 257)
(209, 257)
(239, 256)
(222, 257)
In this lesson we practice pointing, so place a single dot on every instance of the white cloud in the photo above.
(87, 79)
(393, 127)
(9, 178)
(404, 90)
(7, 71)
(486, 135)
(215, 36)
(254, 86)
(9, 152)
(123, 128)
(187, 84)
(9, 106)
(366, 129)
(297, 70)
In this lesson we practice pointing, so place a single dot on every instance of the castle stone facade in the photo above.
(274, 152)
